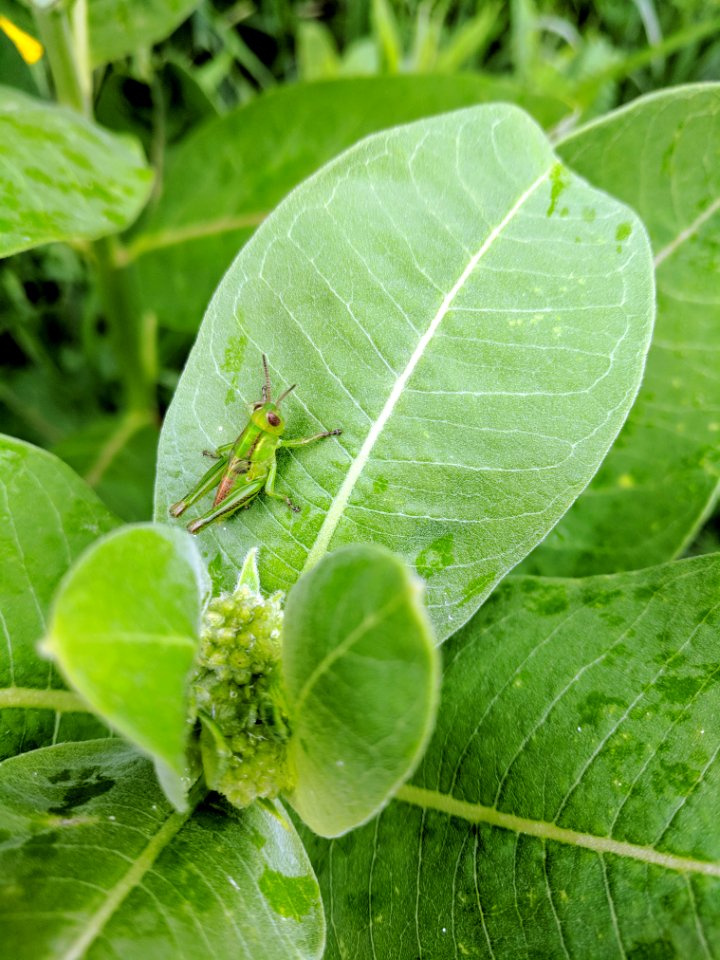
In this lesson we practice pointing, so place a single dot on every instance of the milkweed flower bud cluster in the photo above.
(239, 699)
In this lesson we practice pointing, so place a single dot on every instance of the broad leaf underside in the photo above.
(471, 315)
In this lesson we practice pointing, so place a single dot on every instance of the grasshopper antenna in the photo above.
(284, 394)
(266, 390)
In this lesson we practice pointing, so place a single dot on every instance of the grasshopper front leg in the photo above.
(207, 483)
(221, 452)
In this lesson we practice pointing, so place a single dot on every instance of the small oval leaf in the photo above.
(362, 675)
(124, 631)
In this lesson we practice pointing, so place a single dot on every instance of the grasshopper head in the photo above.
(267, 416)
(265, 413)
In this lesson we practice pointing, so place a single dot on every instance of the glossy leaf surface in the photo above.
(94, 863)
(567, 803)
(63, 177)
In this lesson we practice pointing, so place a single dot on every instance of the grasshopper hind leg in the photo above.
(236, 500)
(208, 482)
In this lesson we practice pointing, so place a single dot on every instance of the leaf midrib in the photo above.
(124, 886)
(543, 830)
(687, 233)
(374, 619)
(32, 698)
(340, 501)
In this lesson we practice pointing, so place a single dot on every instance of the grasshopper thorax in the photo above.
(267, 417)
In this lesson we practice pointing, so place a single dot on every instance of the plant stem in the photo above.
(56, 34)
(133, 340)
(64, 34)
(81, 44)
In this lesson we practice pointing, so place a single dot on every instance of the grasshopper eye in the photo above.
(256, 406)
(273, 419)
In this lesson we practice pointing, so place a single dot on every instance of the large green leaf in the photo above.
(94, 863)
(361, 673)
(567, 805)
(48, 516)
(475, 319)
(207, 211)
(62, 177)
(124, 631)
(119, 27)
(661, 478)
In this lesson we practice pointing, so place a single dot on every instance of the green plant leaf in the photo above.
(263, 150)
(124, 631)
(361, 673)
(48, 516)
(567, 803)
(63, 177)
(94, 863)
(120, 27)
(458, 303)
(660, 480)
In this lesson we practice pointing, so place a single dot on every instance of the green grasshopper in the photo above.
(246, 466)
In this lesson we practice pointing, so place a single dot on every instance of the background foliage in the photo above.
(566, 805)
(177, 85)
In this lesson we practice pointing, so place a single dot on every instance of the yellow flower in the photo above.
(30, 49)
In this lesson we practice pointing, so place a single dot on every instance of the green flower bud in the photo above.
(237, 693)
